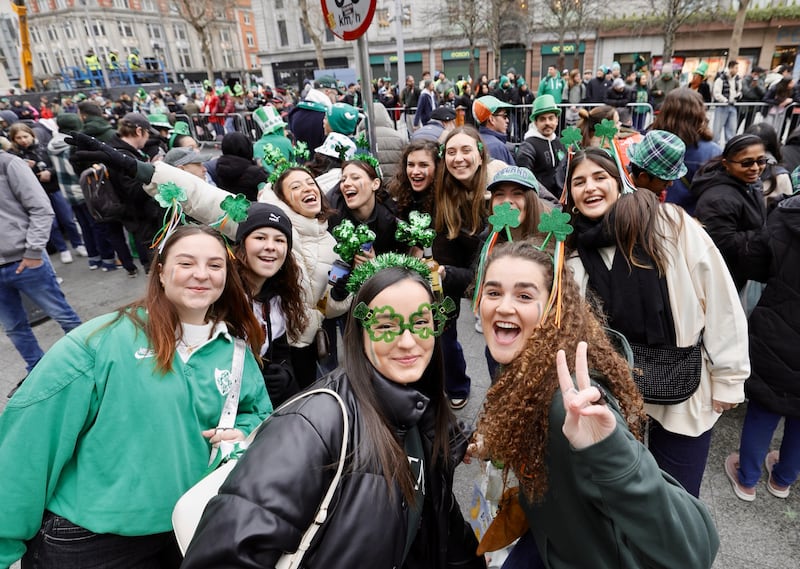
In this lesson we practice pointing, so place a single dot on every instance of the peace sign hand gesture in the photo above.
(588, 419)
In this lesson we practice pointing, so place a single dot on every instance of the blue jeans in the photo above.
(97, 245)
(60, 544)
(684, 458)
(759, 426)
(456, 380)
(63, 220)
(41, 287)
(725, 118)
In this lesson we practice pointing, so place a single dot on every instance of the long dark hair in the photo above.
(382, 447)
(232, 307)
(400, 186)
(632, 219)
(286, 285)
(684, 115)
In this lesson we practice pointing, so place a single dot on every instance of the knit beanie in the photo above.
(68, 122)
(343, 118)
(265, 215)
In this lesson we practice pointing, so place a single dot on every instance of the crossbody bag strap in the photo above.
(293, 560)
(227, 418)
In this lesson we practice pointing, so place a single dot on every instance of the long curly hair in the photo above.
(516, 414)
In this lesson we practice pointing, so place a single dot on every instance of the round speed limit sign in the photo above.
(348, 19)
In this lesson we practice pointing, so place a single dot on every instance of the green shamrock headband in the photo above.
(365, 271)
(504, 218)
(383, 324)
(417, 231)
(349, 239)
(274, 158)
(363, 154)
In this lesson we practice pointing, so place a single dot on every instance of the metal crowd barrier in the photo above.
(748, 113)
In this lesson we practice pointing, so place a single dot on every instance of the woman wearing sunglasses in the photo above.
(731, 206)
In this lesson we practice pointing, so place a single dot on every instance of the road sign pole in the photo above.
(362, 46)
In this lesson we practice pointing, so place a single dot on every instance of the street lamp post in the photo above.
(401, 57)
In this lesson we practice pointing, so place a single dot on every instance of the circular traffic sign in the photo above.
(348, 19)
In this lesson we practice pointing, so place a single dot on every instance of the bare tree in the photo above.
(496, 13)
(200, 14)
(738, 28)
(313, 26)
(466, 17)
(674, 14)
(571, 20)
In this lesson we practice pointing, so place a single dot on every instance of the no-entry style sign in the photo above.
(348, 19)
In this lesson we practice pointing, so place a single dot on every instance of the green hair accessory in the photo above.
(365, 271)
(383, 324)
(417, 231)
(503, 218)
(275, 159)
(606, 131)
(234, 209)
(571, 137)
(350, 239)
(169, 196)
(363, 154)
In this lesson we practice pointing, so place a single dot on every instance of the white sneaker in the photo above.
(66, 257)
(81, 251)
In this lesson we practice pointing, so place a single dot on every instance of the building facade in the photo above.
(62, 31)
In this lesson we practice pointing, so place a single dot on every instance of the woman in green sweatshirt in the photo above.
(117, 420)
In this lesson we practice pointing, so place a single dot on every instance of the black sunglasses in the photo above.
(750, 161)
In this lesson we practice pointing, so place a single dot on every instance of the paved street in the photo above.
(764, 534)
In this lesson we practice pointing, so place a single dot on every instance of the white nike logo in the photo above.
(143, 353)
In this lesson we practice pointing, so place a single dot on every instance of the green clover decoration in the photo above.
(606, 130)
(504, 217)
(169, 193)
(272, 155)
(235, 207)
(350, 239)
(555, 224)
(417, 231)
(571, 137)
(384, 324)
(301, 151)
(362, 142)
(341, 149)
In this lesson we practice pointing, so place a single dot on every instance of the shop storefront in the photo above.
(385, 65)
(786, 50)
(456, 62)
(551, 52)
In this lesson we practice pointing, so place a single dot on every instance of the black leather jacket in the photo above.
(269, 500)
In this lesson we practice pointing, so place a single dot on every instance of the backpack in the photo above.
(101, 198)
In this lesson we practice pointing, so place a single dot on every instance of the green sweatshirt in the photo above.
(608, 506)
(98, 436)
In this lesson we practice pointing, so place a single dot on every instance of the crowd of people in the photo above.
(612, 274)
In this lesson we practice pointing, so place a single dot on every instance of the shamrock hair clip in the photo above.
(504, 218)
(169, 196)
(571, 137)
(606, 131)
(234, 208)
(364, 154)
(416, 231)
(556, 225)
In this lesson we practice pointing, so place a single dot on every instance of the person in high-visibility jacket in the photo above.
(112, 59)
(133, 60)
(92, 63)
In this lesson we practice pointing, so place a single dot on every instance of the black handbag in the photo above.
(665, 375)
(278, 375)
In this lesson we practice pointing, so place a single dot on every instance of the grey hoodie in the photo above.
(26, 213)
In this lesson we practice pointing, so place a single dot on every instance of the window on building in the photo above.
(282, 33)
(246, 18)
(69, 29)
(98, 28)
(77, 57)
(184, 57)
(382, 15)
(122, 4)
(179, 30)
(52, 32)
(228, 59)
(304, 33)
(254, 61)
(125, 29)
(251, 41)
(278, 4)
(36, 36)
(225, 35)
(154, 31)
(148, 5)
(61, 4)
(44, 63)
(43, 6)
(58, 55)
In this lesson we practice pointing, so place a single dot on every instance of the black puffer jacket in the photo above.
(775, 322)
(269, 500)
(236, 171)
(383, 220)
(143, 215)
(733, 213)
(791, 151)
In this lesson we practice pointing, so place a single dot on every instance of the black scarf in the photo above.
(635, 300)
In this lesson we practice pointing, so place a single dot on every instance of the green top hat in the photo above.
(268, 119)
(702, 69)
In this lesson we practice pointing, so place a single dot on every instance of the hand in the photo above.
(216, 436)
(31, 163)
(83, 141)
(102, 152)
(363, 256)
(720, 406)
(44, 176)
(442, 272)
(476, 448)
(588, 420)
(28, 264)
